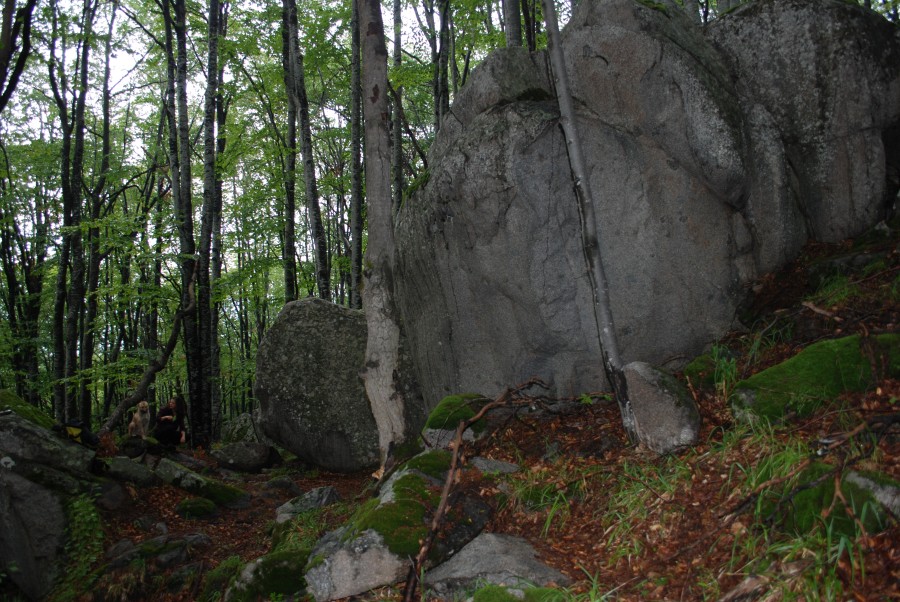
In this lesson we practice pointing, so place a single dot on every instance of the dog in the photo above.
(140, 422)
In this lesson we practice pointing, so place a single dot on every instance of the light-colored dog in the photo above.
(140, 422)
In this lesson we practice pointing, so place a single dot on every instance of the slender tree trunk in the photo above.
(15, 33)
(356, 187)
(397, 124)
(95, 253)
(512, 20)
(382, 320)
(442, 99)
(180, 174)
(216, 255)
(289, 248)
(590, 240)
(314, 214)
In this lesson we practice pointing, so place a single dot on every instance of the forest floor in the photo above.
(625, 524)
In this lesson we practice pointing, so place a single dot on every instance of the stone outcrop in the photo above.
(311, 398)
(706, 169)
(39, 473)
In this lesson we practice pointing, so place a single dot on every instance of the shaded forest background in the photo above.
(172, 173)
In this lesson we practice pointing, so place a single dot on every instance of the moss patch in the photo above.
(498, 593)
(455, 408)
(805, 511)
(220, 578)
(402, 522)
(11, 401)
(276, 573)
(817, 375)
(196, 507)
(435, 463)
(701, 372)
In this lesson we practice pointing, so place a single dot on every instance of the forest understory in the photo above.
(619, 521)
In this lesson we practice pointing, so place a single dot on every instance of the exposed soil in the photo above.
(683, 539)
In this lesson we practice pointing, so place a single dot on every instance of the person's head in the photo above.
(171, 403)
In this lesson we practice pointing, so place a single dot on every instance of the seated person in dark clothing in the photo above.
(168, 428)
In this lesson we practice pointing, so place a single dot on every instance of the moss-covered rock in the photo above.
(434, 463)
(399, 517)
(455, 408)
(179, 476)
(816, 376)
(11, 401)
(280, 572)
(196, 507)
(218, 579)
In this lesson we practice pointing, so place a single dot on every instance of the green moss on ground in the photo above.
(196, 507)
(455, 408)
(11, 401)
(499, 593)
(807, 507)
(701, 372)
(816, 376)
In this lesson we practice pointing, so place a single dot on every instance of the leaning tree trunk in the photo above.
(382, 320)
(590, 239)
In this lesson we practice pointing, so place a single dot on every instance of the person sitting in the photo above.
(168, 431)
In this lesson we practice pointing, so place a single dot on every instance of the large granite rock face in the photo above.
(39, 474)
(695, 188)
(828, 75)
(311, 398)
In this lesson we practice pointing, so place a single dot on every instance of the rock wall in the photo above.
(706, 171)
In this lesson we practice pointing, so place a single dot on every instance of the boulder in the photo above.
(341, 568)
(666, 418)
(240, 428)
(39, 473)
(491, 558)
(311, 398)
(827, 73)
(247, 456)
(695, 183)
(315, 498)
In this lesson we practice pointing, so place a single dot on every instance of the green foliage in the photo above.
(816, 375)
(84, 547)
(453, 409)
(725, 370)
(11, 401)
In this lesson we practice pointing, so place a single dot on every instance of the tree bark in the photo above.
(356, 186)
(382, 321)
(289, 248)
(590, 239)
(15, 33)
(512, 21)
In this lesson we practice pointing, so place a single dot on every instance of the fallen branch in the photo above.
(508, 397)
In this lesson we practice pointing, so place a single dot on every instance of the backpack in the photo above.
(76, 431)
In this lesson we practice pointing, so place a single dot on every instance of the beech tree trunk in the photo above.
(512, 22)
(356, 189)
(382, 320)
(590, 238)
